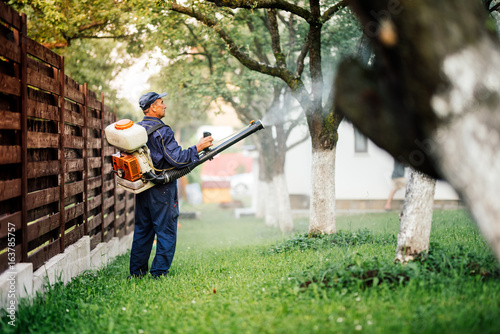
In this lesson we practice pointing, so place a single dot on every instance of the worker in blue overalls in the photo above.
(156, 209)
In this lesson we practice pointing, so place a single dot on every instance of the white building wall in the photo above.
(357, 175)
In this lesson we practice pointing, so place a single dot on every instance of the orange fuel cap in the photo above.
(123, 124)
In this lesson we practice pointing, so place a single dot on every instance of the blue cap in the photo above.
(148, 99)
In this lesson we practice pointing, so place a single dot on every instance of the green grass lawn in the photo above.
(239, 276)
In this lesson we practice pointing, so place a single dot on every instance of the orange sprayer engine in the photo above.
(126, 166)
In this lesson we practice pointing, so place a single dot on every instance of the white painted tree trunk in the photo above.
(271, 216)
(466, 146)
(416, 218)
(285, 219)
(322, 211)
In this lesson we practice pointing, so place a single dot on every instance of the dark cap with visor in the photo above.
(148, 99)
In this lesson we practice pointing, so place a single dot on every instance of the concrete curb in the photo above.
(20, 281)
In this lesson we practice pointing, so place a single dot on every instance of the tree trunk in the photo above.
(272, 203)
(285, 219)
(322, 210)
(416, 218)
(432, 96)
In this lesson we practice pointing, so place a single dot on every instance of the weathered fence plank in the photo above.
(73, 236)
(8, 221)
(43, 226)
(74, 142)
(10, 154)
(94, 163)
(95, 221)
(42, 197)
(10, 50)
(41, 255)
(95, 202)
(4, 262)
(41, 81)
(42, 110)
(10, 16)
(74, 165)
(73, 188)
(74, 118)
(10, 85)
(109, 219)
(43, 140)
(10, 189)
(39, 51)
(95, 240)
(108, 202)
(10, 120)
(74, 94)
(43, 168)
(75, 211)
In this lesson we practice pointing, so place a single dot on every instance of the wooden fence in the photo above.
(55, 164)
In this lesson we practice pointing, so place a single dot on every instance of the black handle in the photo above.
(206, 134)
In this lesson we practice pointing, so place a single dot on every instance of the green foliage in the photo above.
(301, 242)
(224, 279)
(438, 265)
(56, 23)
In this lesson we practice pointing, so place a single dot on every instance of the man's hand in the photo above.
(204, 143)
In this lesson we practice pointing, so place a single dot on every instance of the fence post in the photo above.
(24, 138)
(114, 194)
(62, 158)
(102, 167)
(85, 161)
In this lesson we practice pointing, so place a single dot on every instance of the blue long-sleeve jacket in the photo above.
(165, 151)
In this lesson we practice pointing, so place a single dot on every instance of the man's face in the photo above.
(158, 107)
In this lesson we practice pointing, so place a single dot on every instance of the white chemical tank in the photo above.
(126, 135)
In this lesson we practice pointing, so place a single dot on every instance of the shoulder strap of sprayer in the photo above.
(155, 127)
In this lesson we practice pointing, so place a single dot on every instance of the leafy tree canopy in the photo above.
(56, 23)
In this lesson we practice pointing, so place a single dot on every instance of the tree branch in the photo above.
(302, 56)
(330, 12)
(275, 38)
(315, 56)
(260, 54)
(277, 4)
(92, 25)
(207, 53)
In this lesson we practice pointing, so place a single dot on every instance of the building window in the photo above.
(360, 142)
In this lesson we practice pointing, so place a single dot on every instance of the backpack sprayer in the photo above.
(133, 165)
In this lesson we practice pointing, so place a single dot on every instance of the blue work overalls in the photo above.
(157, 209)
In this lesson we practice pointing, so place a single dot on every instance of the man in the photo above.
(156, 209)
(398, 182)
